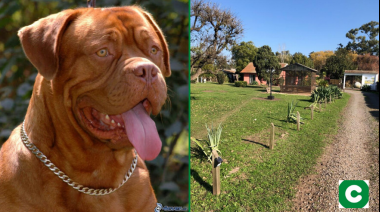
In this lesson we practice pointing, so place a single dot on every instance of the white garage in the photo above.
(368, 77)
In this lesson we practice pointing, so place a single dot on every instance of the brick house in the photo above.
(250, 75)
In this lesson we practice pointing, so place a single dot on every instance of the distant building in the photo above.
(250, 75)
(231, 74)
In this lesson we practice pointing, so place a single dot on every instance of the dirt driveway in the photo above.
(353, 155)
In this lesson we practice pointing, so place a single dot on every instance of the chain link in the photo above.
(64, 177)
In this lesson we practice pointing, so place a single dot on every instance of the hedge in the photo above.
(241, 84)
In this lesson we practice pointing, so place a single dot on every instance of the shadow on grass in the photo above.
(201, 182)
(194, 98)
(197, 152)
(255, 142)
(305, 100)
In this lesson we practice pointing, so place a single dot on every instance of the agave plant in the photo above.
(323, 93)
(292, 117)
(213, 141)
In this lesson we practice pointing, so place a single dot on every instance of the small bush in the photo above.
(220, 77)
(323, 83)
(193, 81)
(254, 83)
(366, 88)
(241, 84)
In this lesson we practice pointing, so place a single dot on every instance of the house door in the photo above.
(251, 78)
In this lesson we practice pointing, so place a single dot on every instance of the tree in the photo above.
(222, 62)
(343, 59)
(243, 53)
(302, 59)
(265, 61)
(283, 55)
(319, 58)
(368, 62)
(212, 30)
(361, 44)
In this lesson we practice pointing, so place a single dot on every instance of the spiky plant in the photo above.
(292, 117)
(213, 141)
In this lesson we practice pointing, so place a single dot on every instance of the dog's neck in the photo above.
(86, 160)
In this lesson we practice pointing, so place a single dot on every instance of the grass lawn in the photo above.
(253, 177)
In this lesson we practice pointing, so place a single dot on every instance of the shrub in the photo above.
(366, 88)
(292, 116)
(193, 81)
(322, 83)
(241, 84)
(322, 93)
(220, 77)
(212, 143)
(254, 83)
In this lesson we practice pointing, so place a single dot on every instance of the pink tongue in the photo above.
(142, 132)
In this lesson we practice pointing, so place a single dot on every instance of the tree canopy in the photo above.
(265, 61)
(298, 57)
(319, 58)
(360, 43)
(243, 53)
(212, 30)
(343, 59)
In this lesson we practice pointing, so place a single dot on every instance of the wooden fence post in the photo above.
(320, 107)
(215, 174)
(271, 142)
(298, 121)
(312, 112)
(325, 102)
(330, 98)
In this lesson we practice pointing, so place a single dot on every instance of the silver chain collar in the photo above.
(64, 177)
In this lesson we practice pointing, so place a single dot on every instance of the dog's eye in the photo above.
(102, 53)
(153, 50)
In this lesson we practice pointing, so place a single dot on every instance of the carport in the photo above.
(368, 77)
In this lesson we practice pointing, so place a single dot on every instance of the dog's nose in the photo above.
(147, 72)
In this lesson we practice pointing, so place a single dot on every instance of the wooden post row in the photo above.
(215, 174)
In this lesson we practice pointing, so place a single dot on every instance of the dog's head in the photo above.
(107, 66)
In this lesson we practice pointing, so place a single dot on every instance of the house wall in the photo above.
(370, 79)
(246, 78)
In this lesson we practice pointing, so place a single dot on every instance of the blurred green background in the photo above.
(169, 171)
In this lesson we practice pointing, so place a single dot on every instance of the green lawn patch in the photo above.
(254, 178)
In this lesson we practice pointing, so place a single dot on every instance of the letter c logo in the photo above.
(353, 194)
(349, 194)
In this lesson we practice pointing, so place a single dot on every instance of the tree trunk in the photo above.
(197, 73)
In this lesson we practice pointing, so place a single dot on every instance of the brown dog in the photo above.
(101, 73)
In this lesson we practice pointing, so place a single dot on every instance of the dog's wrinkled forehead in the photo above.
(116, 23)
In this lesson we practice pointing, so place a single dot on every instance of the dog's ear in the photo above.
(41, 39)
(164, 45)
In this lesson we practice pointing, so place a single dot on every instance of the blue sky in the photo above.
(302, 25)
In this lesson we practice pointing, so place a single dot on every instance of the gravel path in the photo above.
(353, 155)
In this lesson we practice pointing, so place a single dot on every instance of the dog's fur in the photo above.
(71, 77)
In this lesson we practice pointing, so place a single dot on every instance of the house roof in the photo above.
(250, 68)
(297, 67)
(360, 72)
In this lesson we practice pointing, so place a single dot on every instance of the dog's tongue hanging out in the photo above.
(142, 132)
